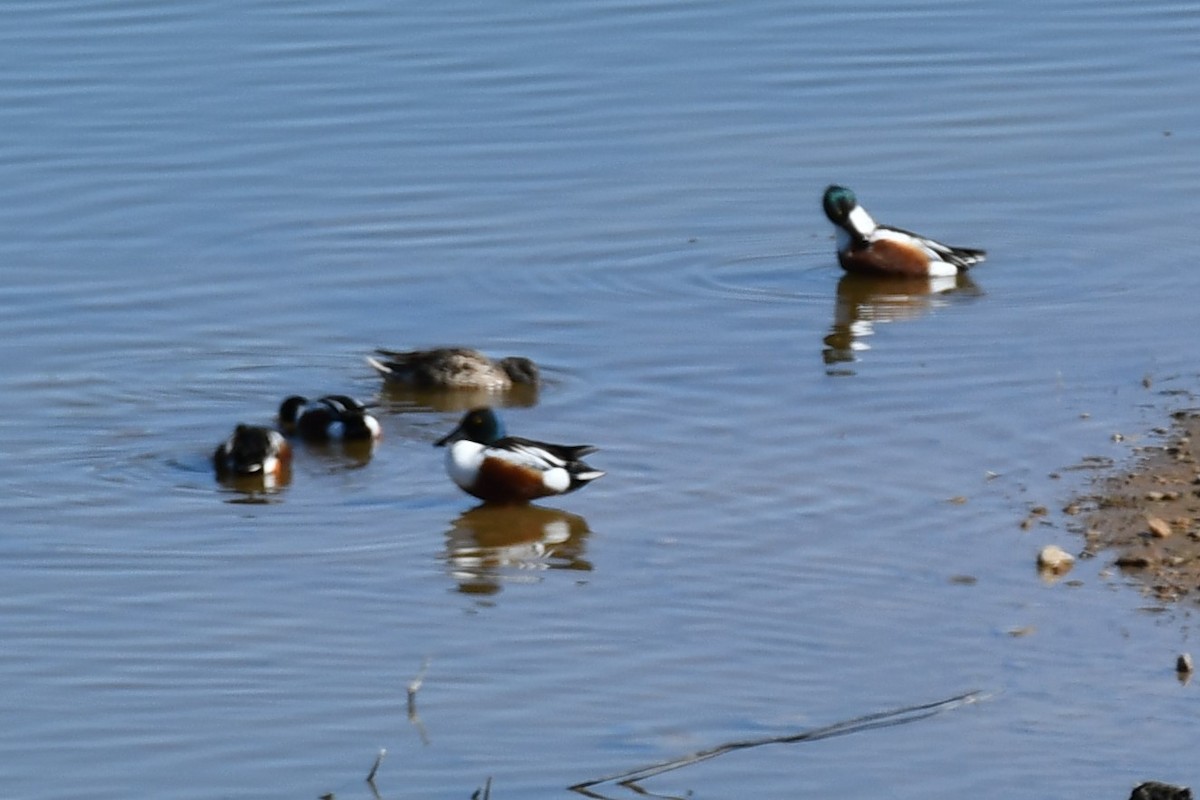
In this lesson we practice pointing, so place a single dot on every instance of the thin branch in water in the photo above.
(414, 685)
(413, 717)
(879, 719)
(484, 793)
(375, 766)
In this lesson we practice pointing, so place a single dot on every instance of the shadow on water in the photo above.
(862, 301)
(493, 544)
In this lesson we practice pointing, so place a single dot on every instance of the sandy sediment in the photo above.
(1146, 518)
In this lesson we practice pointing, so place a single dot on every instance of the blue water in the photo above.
(206, 207)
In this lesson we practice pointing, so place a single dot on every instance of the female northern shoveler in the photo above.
(867, 248)
(334, 416)
(454, 368)
(253, 451)
(496, 468)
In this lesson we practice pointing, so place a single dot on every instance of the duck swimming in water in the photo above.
(867, 248)
(454, 368)
(485, 462)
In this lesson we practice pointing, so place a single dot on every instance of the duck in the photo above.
(454, 368)
(253, 450)
(867, 248)
(497, 468)
(333, 417)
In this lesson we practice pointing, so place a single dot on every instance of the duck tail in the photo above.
(967, 256)
(379, 366)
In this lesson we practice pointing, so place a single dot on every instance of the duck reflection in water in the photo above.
(398, 398)
(490, 545)
(255, 489)
(864, 300)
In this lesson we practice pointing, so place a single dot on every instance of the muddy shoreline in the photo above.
(1146, 518)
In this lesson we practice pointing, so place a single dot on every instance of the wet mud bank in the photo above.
(1146, 518)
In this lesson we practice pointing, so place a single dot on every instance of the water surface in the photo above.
(207, 207)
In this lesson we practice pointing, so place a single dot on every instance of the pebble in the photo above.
(1159, 528)
(1183, 664)
(1054, 559)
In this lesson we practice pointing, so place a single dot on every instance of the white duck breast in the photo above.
(861, 221)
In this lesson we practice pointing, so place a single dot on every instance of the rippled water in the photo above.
(205, 207)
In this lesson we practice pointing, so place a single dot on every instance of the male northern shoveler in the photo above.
(867, 248)
(496, 468)
(334, 416)
(454, 368)
(253, 451)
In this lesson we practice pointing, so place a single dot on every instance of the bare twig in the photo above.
(413, 717)
(880, 719)
(414, 685)
(485, 792)
(375, 766)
